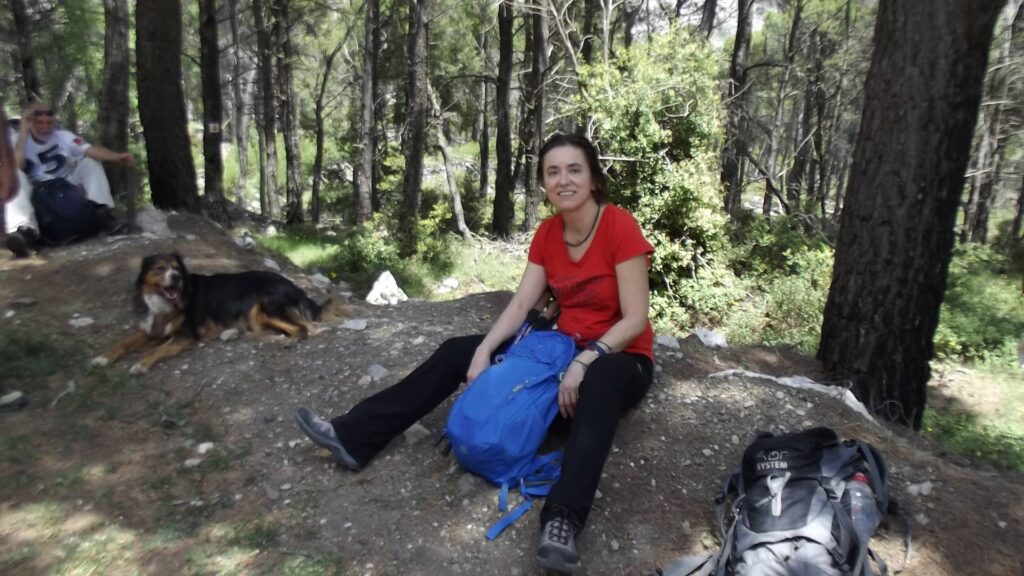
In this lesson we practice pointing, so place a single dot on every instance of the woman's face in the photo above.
(567, 178)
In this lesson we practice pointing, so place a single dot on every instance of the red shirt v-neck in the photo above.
(588, 291)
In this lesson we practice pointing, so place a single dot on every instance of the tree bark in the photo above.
(240, 94)
(363, 173)
(172, 176)
(213, 114)
(501, 221)
(288, 110)
(114, 104)
(485, 131)
(896, 233)
(735, 144)
(539, 64)
(414, 135)
(773, 152)
(589, 19)
(268, 118)
(26, 56)
(707, 17)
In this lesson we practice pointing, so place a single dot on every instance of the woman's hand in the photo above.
(481, 361)
(569, 389)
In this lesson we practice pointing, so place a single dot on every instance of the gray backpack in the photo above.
(802, 504)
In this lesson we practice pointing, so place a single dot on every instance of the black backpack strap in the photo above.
(729, 486)
(896, 508)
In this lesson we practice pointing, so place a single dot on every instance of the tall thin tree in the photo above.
(26, 55)
(241, 89)
(267, 114)
(172, 176)
(114, 106)
(367, 145)
(414, 135)
(896, 232)
(288, 110)
(501, 221)
(213, 106)
(735, 145)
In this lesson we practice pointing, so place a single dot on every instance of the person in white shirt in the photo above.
(50, 158)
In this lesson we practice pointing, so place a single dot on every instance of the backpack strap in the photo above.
(545, 471)
(702, 565)
(498, 527)
(729, 486)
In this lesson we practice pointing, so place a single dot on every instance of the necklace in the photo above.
(597, 215)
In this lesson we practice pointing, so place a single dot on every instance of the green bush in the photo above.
(982, 314)
(656, 110)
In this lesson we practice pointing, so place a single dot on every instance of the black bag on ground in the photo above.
(802, 504)
(64, 213)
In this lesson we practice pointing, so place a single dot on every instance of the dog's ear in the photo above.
(180, 262)
(147, 263)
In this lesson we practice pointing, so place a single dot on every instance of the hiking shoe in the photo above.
(321, 432)
(109, 223)
(11, 401)
(557, 550)
(21, 242)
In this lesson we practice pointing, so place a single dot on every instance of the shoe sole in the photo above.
(340, 454)
(559, 565)
(14, 406)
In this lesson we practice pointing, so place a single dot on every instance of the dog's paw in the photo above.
(138, 369)
(99, 361)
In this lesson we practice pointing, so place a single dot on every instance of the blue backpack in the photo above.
(496, 427)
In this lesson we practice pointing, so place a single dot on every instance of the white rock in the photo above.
(921, 519)
(270, 230)
(354, 324)
(615, 545)
(666, 341)
(364, 381)
(9, 314)
(1002, 525)
(153, 222)
(418, 340)
(230, 334)
(193, 462)
(268, 263)
(294, 443)
(450, 283)
(81, 322)
(711, 339)
(377, 372)
(386, 291)
(707, 452)
(320, 281)
(204, 447)
(920, 488)
(735, 439)
(286, 487)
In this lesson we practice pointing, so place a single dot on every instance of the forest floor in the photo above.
(198, 468)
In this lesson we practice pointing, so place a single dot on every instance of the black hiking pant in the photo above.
(612, 385)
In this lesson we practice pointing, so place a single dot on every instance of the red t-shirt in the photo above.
(588, 291)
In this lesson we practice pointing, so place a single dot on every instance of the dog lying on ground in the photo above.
(181, 308)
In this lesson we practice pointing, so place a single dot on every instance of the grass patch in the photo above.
(34, 357)
(965, 434)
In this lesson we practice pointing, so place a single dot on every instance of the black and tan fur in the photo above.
(181, 308)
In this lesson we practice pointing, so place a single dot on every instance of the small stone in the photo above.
(377, 372)
(204, 447)
(294, 443)
(320, 281)
(356, 324)
(615, 545)
(416, 432)
(229, 335)
(707, 452)
(8, 313)
(1002, 525)
(921, 519)
(418, 340)
(364, 381)
(686, 527)
(735, 439)
(271, 492)
(268, 263)
(780, 395)
(193, 462)
(286, 487)
(920, 488)
(81, 322)
(666, 341)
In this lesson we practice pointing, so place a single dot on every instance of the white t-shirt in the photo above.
(50, 159)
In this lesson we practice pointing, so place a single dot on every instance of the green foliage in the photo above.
(656, 111)
(983, 313)
(966, 435)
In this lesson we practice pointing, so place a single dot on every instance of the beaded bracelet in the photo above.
(600, 348)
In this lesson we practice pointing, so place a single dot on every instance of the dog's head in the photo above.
(162, 283)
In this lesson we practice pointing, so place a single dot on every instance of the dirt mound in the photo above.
(197, 467)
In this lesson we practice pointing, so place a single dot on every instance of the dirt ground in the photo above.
(198, 468)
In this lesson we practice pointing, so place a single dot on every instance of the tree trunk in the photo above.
(503, 183)
(26, 57)
(268, 119)
(458, 221)
(589, 20)
(537, 100)
(114, 105)
(414, 135)
(318, 112)
(1018, 219)
(363, 173)
(240, 89)
(707, 17)
(209, 59)
(896, 234)
(485, 131)
(735, 143)
(172, 176)
(773, 152)
(288, 103)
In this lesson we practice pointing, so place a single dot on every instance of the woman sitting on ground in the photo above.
(594, 259)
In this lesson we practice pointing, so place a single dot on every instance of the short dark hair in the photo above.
(600, 192)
